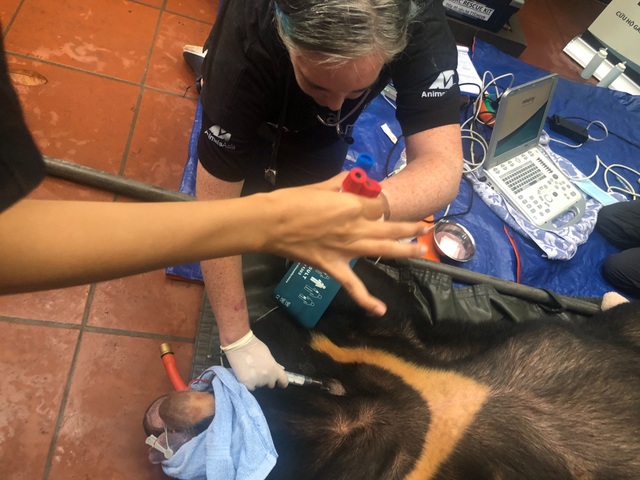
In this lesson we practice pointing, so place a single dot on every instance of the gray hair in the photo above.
(344, 30)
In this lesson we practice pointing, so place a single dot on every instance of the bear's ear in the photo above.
(152, 423)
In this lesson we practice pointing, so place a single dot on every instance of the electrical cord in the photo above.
(609, 169)
(389, 100)
(555, 140)
(589, 136)
(606, 130)
(514, 246)
(591, 175)
(479, 87)
(470, 130)
(629, 190)
(448, 215)
(470, 127)
(386, 162)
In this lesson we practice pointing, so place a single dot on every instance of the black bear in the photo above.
(413, 399)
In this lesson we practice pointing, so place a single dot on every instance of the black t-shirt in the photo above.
(247, 68)
(21, 165)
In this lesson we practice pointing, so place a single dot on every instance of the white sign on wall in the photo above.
(618, 27)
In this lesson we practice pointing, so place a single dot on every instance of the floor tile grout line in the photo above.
(161, 10)
(180, 95)
(72, 68)
(199, 20)
(136, 112)
(100, 75)
(95, 329)
(7, 27)
(163, 7)
(61, 410)
(26, 56)
(146, 4)
(144, 335)
(32, 322)
(82, 328)
(67, 387)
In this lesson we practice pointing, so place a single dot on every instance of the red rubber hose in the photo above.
(169, 361)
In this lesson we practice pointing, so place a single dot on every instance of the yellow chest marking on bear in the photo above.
(453, 399)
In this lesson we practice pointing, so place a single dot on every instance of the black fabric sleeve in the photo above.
(21, 165)
(241, 79)
(222, 153)
(425, 76)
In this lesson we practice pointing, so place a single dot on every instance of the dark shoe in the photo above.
(194, 56)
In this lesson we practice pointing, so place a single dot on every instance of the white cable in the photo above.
(598, 162)
(467, 127)
(551, 139)
(593, 139)
(472, 165)
(446, 212)
(388, 100)
(467, 132)
(493, 81)
(629, 190)
(603, 126)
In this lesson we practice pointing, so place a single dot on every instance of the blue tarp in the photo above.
(495, 256)
(620, 112)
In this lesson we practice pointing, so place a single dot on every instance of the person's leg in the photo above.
(620, 224)
(622, 270)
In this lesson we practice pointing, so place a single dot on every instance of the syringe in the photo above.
(304, 381)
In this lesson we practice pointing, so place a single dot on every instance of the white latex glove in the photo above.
(253, 363)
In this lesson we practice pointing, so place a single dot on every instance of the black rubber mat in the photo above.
(261, 274)
(207, 343)
(434, 290)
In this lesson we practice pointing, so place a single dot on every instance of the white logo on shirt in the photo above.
(220, 133)
(220, 137)
(444, 81)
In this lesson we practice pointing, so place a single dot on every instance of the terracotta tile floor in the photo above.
(82, 364)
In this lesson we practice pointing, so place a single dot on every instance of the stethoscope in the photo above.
(335, 119)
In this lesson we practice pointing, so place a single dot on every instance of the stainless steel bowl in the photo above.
(454, 241)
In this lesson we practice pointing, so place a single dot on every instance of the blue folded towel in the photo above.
(236, 446)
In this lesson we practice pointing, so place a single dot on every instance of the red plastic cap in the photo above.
(358, 183)
(354, 181)
(370, 189)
